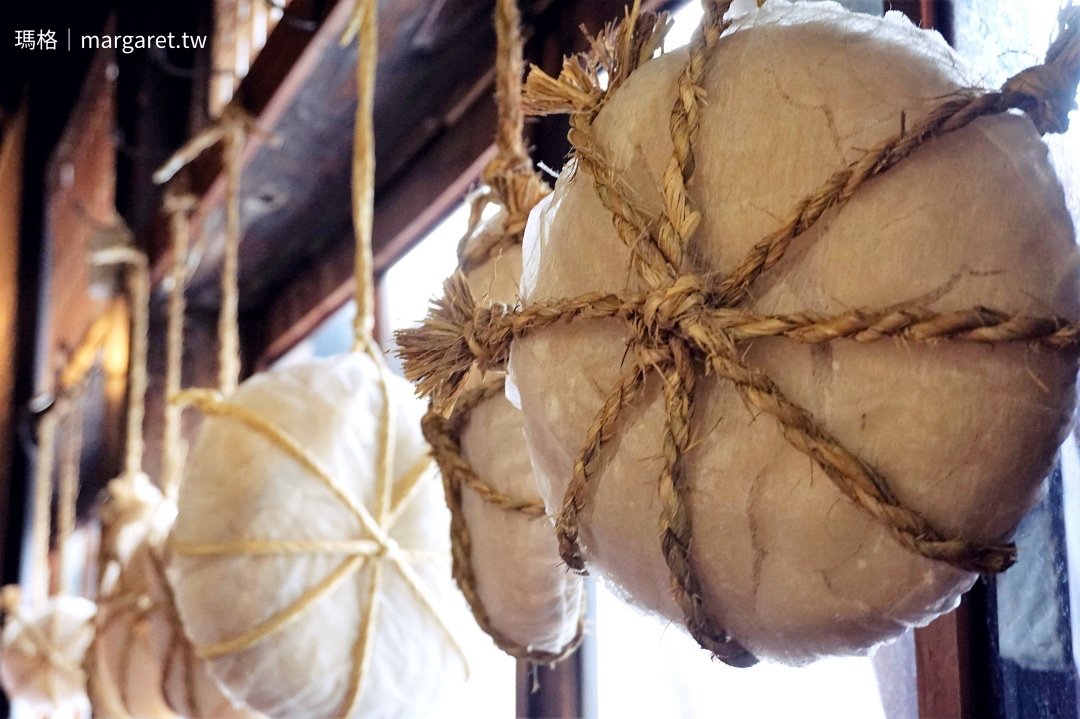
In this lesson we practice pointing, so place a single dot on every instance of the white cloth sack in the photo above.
(41, 658)
(238, 486)
(963, 433)
(531, 597)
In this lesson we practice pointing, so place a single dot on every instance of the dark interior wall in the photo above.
(11, 167)
(161, 100)
(49, 82)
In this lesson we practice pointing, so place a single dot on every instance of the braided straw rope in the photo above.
(679, 318)
(516, 187)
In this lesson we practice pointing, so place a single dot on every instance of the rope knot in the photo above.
(486, 336)
(665, 308)
(1052, 89)
(388, 549)
(1052, 85)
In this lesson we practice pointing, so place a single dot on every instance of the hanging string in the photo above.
(228, 326)
(514, 185)
(139, 295)
(363, 169)
(68, 490)
(42, 520)
(509, 63)
(177, 206)
(364, 21)
(232, 130)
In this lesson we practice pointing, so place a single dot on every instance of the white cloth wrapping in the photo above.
(145, 667)
(41, 653)
(963, 433)
(531, 597)
(239, 486)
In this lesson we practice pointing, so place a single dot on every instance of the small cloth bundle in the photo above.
(42, 651)
(125, 673)
(310, 554)
(142, 663)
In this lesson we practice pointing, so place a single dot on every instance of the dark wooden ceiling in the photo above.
(434, 121)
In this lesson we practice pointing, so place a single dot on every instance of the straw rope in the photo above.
(680, 319)
(178, 642)
(513, 184)
(123, 602)
(231, 130)
(43, 642)
(40, 530)
(138, 280)
(68, 489)
(177, 206)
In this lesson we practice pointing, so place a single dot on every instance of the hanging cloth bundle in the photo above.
(311, 489)
(59, 629)
(678, 335)
(140, 664)
(121, 674)
(505, 560)
(44, 641)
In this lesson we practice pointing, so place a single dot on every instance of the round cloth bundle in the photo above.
(506, 558)
(964, 434)
(41, 658)
(310, 553)
(125, 673)
(798, 333)
(143, 664)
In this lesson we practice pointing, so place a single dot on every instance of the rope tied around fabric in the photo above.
(682, 327)
(44, 642)
(514, 186)
(376, 550)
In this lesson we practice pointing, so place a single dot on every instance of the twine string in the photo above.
(41, 530)
(231, 130)
(177, 206)
(138, 282)
(363, 171)
(228, 324)
(68, 490)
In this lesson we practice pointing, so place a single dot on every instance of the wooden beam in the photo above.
(942, 667)
(295, 196)
(416, 193)
(428, 191)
